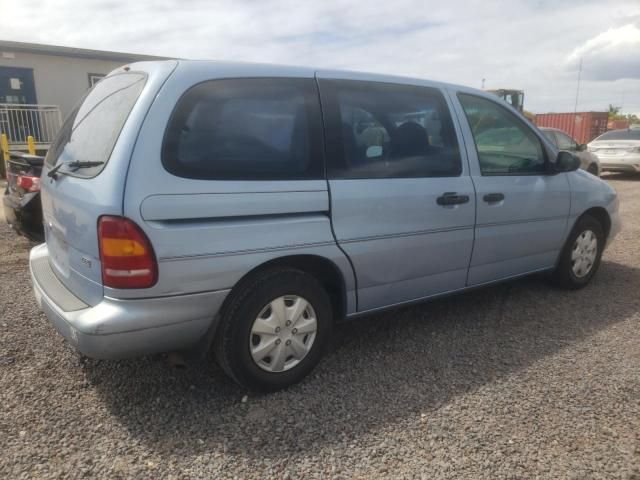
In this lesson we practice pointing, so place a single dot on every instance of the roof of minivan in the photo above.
(249, 68)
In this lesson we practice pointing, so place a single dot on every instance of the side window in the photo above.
(246, 129)
(505, 145)
(565, 142)
(379, 130)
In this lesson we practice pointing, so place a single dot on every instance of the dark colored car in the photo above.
(21, 201)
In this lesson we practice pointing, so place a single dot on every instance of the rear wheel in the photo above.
(581, 255)
(274, 329)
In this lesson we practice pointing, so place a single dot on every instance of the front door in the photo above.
(17, 85)
(402, 201)
(522, 209)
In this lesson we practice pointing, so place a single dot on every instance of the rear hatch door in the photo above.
(102, 129)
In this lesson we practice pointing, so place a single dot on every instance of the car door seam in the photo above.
(454, 109)
(326, 179)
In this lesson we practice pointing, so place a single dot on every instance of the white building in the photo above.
(40, 84)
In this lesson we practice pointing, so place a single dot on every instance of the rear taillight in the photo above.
(30, 184)
(126, 254)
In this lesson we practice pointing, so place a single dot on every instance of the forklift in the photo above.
(515, 98)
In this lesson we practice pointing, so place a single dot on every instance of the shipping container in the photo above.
(583, 126)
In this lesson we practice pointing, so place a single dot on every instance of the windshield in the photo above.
(620, 135)
(90, 132)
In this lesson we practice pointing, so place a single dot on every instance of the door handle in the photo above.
(493, 197)
(452, 198)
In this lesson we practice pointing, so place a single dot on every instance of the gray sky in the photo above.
(534, 45)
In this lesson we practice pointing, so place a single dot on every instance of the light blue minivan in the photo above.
(192, 205)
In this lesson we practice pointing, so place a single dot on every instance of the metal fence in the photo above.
(18, 122)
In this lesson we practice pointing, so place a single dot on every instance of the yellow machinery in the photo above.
(515, 98)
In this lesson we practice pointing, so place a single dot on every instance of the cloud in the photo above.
(611, 55)
(512, 43)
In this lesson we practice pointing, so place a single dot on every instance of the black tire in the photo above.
(593, 169)
(232, 343)
(564, 274)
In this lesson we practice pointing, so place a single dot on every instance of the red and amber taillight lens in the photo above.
(126, 254)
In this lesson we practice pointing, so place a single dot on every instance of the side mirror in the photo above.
(581, 147)
(566, 162)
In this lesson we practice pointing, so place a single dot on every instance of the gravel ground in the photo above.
(515, 381)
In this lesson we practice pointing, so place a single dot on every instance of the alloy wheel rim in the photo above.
(283, 333)
(583, 254)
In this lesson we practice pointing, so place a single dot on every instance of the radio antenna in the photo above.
(575, 106)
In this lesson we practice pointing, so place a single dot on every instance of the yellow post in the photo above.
(4, 144)
(31, 145)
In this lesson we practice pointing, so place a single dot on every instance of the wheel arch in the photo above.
(593, 166)
(601, 215)
(322, 268)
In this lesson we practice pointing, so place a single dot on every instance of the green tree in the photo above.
(614, 112)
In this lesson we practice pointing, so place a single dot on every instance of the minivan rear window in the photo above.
(91, 130)
(246, 129)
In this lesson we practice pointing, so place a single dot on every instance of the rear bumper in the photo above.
(122, 328)
(628, 163)
(24, 214)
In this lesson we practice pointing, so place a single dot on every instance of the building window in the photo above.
(95, 78)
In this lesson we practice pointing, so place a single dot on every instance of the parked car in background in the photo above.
(21, 201)
(588, 160)
(246, 208)
(618, 150)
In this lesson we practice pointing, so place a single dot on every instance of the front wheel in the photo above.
(593, 169)
(274, 329)
(581, 255)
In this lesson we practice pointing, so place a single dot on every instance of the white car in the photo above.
(618, 150)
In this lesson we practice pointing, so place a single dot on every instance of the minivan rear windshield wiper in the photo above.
(73, 166)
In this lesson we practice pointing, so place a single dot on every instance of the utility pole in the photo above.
(483, 83)
(575, 106)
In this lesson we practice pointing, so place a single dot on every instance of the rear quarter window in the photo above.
(91, 130)
(246, 129)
